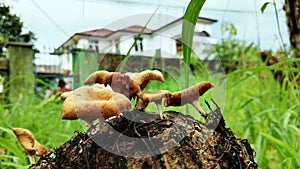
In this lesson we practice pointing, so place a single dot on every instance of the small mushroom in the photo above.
(97, 77)
(28, 142)
(145, 76)
(93, 102)
(154, 96)
(189, 96)
(123, 83)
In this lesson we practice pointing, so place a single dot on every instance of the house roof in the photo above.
(137, 29)
(97, 32)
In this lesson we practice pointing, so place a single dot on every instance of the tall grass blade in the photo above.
(190, 19)
(264, 6)
(282, 144)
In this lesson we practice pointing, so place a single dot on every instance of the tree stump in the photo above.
(144, 140)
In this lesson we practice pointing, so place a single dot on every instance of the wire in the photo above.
(133, 2)
(49, 18)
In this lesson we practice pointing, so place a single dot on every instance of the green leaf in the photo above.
(190, 19)
(264, 6)
(11, 147)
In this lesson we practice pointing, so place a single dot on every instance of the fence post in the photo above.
(84, 62)
(21, 74)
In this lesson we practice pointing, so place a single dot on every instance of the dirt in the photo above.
(175, 141)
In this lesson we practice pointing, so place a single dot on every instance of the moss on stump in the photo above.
(190, 144)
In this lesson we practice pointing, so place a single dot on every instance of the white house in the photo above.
(166, 38)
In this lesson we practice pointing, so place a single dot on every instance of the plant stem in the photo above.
(278, 27)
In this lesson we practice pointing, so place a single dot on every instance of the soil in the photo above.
(144, 140)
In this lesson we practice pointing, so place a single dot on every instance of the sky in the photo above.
(54, 21)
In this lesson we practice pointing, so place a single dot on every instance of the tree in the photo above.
(292, 11)
(11, 27)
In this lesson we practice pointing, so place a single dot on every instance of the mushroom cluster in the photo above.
(29, 143)
(108, 94)
(130, 86)
(105, 94)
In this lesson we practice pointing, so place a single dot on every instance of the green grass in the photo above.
(42, 117)
(256, 108)
(259, 109)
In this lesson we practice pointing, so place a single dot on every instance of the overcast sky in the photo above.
(54, 21)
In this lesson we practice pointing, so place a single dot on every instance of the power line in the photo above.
(49, 18)
(133, 2)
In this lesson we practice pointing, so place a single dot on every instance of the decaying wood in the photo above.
(201, 145)
(281, 75)
(292, 11)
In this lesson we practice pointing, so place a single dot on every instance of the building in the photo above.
(166, 39)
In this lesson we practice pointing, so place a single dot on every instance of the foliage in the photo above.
(11, 27)
(265, 113)
(262, 9)
(233, 53)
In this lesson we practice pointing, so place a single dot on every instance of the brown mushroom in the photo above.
(145, 76)
(97, 77)
(189, 96)
(123, 83)
(28, 142)
(93, 102)
(154, 96)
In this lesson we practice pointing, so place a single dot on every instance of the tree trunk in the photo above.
(175, 141)
(292, 10)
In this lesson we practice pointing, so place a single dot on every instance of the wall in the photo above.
(21, 74)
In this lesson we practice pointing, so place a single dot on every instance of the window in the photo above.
(94, 44)
(178, 46)
(139, 44)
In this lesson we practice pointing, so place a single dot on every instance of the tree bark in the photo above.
(292, 10)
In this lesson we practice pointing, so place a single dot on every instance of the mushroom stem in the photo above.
(197, 106)
(153, 96)
(158, 105)
(31, 159)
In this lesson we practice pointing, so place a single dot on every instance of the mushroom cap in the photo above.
(128, 84)
(93, 102)
(26, 139)
(122, 83)
(64, 95)
(39, 148)
(28, 142)
(145, 76)
(187, 95)
(97, 77)
(152, 96)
